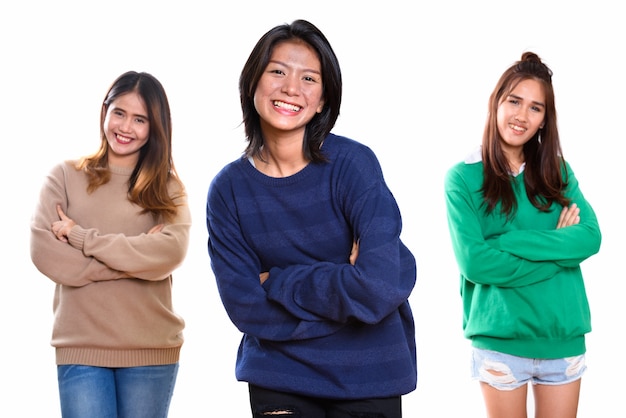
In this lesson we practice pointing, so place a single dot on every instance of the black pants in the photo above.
(273, 404)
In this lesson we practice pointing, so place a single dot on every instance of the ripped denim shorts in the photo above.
(507, 372)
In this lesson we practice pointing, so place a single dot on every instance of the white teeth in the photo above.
(123, 139)
(518, 128)
(284, 105)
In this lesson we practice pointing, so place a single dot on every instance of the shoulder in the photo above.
(341, 145)
(67, 165)
(567, 173)
(467, 170)
(65, 168)
(348, 152)
(175, 186)
(474, 156)
(566, 166)
(471, 161)
(228, 172)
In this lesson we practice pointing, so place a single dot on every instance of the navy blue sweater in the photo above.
(318, 326)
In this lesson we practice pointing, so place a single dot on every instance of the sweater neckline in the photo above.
(276, 181)
(125, 171)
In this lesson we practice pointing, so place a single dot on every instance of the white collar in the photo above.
(476, 156)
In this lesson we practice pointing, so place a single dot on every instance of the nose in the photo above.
(125, 125)
(290, 85)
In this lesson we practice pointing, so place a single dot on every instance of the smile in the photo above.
(123, 139)
(293, 108)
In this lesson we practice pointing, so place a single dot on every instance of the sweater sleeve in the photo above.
(567, 246)
(316, 299)
(237, 268)
(379, 283)
(144, 256)
(478, 261)
(58, 261)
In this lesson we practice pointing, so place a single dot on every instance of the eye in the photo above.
(536, 109)
(276, 71)
(141, 120)
(514, 101)
(118, 112)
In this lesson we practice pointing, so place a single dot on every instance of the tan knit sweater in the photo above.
(113, 302)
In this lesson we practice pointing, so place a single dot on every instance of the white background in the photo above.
(417, 77)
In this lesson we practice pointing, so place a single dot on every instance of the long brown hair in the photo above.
(545, 174)
(148, 184)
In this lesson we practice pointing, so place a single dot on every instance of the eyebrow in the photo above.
(521, 98)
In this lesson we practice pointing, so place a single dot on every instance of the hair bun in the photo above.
(530, 56)
(531, 63)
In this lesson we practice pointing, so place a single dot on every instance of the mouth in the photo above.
(288, 106)
(123, 139)
(517, 128)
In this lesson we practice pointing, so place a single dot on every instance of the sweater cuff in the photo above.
(76, 237)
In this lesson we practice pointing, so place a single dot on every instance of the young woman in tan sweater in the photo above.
(109, 230)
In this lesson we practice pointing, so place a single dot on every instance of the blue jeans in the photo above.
(102, 392)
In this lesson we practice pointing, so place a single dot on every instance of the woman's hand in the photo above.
(156, 228)
(61, 229)
(354, 253)
(570, 215)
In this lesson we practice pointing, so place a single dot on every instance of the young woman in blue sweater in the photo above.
(304, 241)
(520, 228)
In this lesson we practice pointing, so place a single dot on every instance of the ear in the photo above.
(320, 107)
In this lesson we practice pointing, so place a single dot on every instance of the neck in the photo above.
(280, 160)
(515, 159)
(126, 161)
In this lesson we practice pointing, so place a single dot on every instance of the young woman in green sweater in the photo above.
(520, 228)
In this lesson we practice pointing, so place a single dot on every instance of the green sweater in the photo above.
(521, 284)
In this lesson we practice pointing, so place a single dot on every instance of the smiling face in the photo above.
(127, 129)
(290, 91)
(520, 115)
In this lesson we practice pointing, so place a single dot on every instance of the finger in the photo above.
(59, 235)
(569, 216)
(564, 217)
(572, 214)
(156, 228)
(354, 253)
(264, 276)
(60, 212)
(560, 223)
